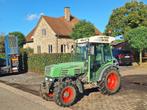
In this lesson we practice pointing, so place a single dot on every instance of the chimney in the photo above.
(67, 13)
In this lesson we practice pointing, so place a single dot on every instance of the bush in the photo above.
(2, 55)
(37, 62)
(27, 50)
(23, 58)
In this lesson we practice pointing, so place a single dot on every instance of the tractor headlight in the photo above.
(46, 78)
(50, 79)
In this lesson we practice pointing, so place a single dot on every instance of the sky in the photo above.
(23, 15)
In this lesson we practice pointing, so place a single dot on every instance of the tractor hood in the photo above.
(64, 69)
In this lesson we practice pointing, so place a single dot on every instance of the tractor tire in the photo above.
(44, 95)
(111, 82)
(65, 94)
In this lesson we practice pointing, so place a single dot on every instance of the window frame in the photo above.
(43, 32)
(38, 49)
(63, 48)
(50, 48)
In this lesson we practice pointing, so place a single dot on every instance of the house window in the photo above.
(50, 49)
(44, 32)
(63, 48)
(72, 48)
(38, 49)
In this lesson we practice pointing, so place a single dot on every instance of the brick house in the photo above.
(52, 35)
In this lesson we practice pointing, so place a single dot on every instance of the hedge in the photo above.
(37, 62)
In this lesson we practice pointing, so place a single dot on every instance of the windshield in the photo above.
(80, 52)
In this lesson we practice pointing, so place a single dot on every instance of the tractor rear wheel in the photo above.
(65, 94)
(111, 82)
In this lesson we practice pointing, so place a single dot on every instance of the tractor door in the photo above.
(96, 55)
(100, 54)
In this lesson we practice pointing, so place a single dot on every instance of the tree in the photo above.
(2, 48)
(132, 15)
(138, 39)
(83, 29)
(21, 38)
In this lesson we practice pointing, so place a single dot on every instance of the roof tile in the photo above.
(60, 26)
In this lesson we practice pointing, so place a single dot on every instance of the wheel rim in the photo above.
(50, 94)
(112, 81)
(67, 95)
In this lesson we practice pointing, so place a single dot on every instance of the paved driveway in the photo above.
(132, 96)
(11, 101)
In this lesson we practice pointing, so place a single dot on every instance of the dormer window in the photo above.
(44, 32)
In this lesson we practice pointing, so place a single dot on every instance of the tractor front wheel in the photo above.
(111, 82)
(65, 94)
(44, 94)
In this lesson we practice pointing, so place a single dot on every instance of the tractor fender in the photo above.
(77, 82)
(106, 68)
(80, 86)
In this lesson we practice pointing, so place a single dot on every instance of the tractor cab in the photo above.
(96, 52)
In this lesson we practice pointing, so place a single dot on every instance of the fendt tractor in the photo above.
(10, 64)
(93, 64)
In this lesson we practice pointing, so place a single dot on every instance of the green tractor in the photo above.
(92, 64)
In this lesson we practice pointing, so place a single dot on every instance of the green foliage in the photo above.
(29, 51)
(37, 62)
(83, 29)
(21, 38)
(2, 55)
(2, 48)
(138, 39)
(119, 40)
(131, 15)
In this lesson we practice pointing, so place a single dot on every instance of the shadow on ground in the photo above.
(130, 82)
(134, 82)
(10, 74)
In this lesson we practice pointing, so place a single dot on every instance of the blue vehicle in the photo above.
(11, 62)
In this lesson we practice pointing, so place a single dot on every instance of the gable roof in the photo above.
(60, 26)
(29, 37)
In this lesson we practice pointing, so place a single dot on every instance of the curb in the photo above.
(33, 98)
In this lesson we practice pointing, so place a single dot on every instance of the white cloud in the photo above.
(41, 13)
(34, 16)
